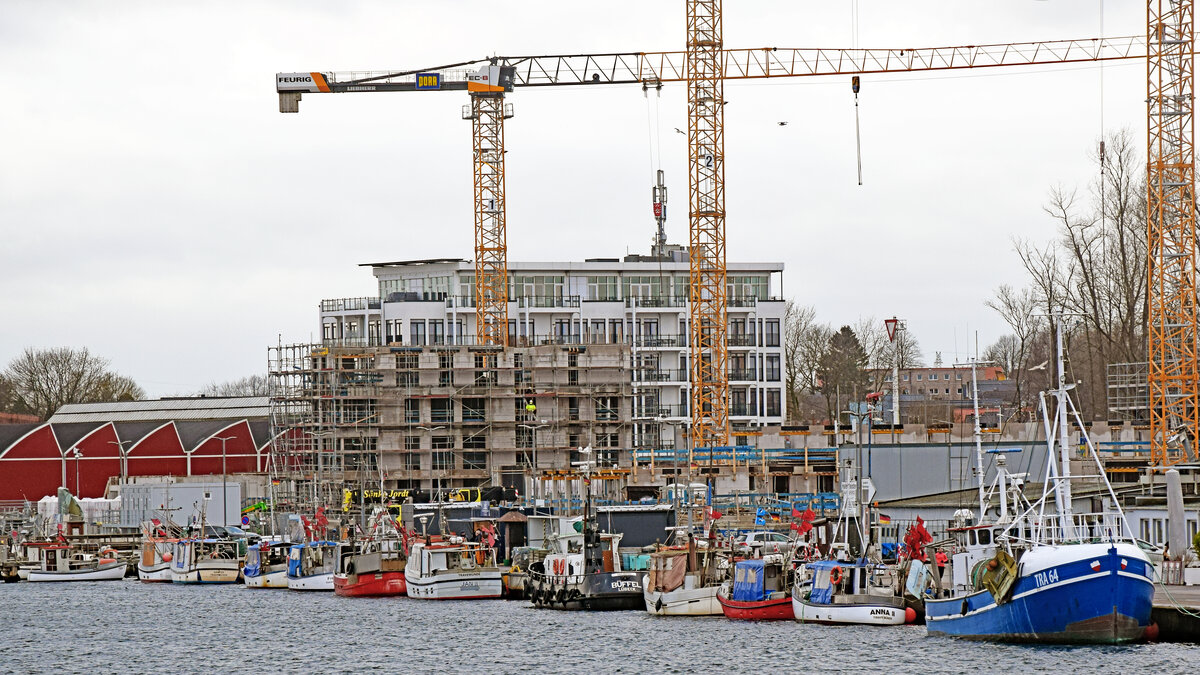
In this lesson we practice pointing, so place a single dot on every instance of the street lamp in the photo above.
(224, 488)
(78, 455)
(439, 478)
(122, 451)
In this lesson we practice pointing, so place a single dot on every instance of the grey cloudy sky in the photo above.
(157, 208)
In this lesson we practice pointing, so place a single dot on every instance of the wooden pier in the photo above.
(1176, 624)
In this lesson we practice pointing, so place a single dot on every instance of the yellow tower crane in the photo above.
(1171, 231)
(704, 66)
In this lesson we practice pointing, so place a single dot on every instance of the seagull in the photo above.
(1041, 366)
(782, 124)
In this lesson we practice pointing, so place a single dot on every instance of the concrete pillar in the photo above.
(1176, 523)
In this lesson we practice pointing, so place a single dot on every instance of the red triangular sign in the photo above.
(891, 328)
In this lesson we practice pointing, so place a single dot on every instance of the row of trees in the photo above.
(826, 366)
(40, 381)
(1094, 270)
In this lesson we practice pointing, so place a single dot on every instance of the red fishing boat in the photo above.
(759, 590)
(375, 566)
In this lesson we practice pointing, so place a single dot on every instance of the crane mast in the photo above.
(706, 226)
(1171, 231)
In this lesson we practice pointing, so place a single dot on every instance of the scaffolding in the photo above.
(1129, 392)
(323, 424)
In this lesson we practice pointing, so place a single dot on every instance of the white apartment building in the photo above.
(639, 301)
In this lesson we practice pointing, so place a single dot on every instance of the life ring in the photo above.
(835, 575)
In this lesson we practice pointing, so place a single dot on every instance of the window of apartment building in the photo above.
(602, 288)
(596, 331)
(410, 461)
(539, 290)
(442, 442)
(904, 377)
(773, 371)
(416, 331)
(572, 408)
(466, 289)
(437, 332)
(737, 400)
(440, 410)
(392, 330)
(475, 461)
(412, 442)
(771, 332)
(774, 398)
(606, 408)
(616, 333)
(748, 287)
(443, 460)
(475, 441)
(573, 441)
(485, 369)
(958, 376)
(407, 379)
(408, 360)
(918, 377)
(947, 390)
(412, 410)
(945, 376)
(609, 440)
(474, 410)
(642, 286)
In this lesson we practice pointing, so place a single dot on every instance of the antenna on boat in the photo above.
(978, 431)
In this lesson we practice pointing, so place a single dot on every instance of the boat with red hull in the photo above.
(374, 566)
(759, 590)
(370, 585)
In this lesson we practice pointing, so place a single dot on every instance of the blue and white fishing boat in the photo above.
(266, 565)
(1044, 576)
(311, 565)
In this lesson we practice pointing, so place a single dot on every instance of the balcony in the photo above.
(658, 410)
(669, 375)
(741, 375)
(656, 302)
(546, 301)
(661, 341)
(349, 304)
(741, 340)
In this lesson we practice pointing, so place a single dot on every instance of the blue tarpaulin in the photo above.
(748, 581)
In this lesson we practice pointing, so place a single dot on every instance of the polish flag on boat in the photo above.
(1095, 565)
(1124, 562)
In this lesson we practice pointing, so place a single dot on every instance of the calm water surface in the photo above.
(126, 626)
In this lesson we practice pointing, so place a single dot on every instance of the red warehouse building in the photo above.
(83, 446)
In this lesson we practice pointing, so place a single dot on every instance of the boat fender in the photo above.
(835, 575)
(658, 605)
(349, 568)
(561, 596)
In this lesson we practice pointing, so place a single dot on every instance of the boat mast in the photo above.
(978, 435)
(1063, 493)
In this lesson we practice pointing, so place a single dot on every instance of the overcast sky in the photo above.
(157, 209)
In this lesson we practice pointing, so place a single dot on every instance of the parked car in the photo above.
(764, 542)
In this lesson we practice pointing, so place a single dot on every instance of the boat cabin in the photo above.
(761, 579)
(455, 555)
(313, 558)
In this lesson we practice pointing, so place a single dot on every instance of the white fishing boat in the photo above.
(266, 565)
(206, 561)
(154, 565)
(683, 581)
(849, 593)
(452, 569)
(60, 563)
(311, 565)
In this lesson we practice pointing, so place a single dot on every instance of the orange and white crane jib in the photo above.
(305, 82)
(486, 79)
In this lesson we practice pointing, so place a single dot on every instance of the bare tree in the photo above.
(805, 342)
(1018, 308)
(1097, 267)
(251, 385)
(882, 351)
(43, 380)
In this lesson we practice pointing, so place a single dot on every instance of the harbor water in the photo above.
(127, 626)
